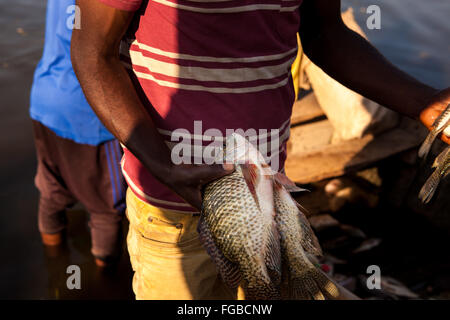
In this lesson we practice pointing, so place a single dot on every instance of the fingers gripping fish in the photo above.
(442, 123)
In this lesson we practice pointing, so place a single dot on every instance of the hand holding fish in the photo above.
(251, 228)
(438, 115)
(187, 180)
(434, 109)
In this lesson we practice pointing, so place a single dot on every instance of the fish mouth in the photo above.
(238, 150)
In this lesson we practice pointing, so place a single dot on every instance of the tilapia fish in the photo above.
(442, 165)
(440, 124)
(305, 281)
(247, 225)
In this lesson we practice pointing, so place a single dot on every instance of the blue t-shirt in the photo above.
(57, 100)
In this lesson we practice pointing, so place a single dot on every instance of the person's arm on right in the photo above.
(111, 93)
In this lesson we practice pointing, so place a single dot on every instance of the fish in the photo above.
(442, 166)
(237, 225)
(440, 124)
(447, 131)
(255, 232)
(298, 245)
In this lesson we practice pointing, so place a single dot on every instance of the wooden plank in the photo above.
(306, 109)
(348, 156)
(311, 136)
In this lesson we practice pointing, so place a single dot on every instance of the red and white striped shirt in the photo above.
(221, 64)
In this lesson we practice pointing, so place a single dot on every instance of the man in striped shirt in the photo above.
(221, 65)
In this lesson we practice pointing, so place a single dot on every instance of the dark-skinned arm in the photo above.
(111, 93)
(354, 62)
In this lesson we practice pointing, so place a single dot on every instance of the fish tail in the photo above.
(312, 284)
(257, 282)
(426, 145)
(262, 290)
(272, 257)
(430, 186)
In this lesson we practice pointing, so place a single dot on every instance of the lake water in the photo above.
(414, 35)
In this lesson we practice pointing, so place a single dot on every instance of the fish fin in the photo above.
(272, 256)
(256, 279)
(446, 173)
(426, 145)
(308, 240)
(261, 291)
(313, 284)
(229, 271)
(299, 289)
(287, 183)
(250, 173)
(441, 157)
(429, 188)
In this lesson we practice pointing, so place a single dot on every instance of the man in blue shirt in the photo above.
(78, 159)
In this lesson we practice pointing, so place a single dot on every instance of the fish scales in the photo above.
(442, 166)
(305, 281)
(241, 232)
(249, 221)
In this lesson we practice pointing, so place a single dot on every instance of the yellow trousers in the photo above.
(167, 257)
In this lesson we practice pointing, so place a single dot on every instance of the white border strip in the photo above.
(182, 56)
(252, 7)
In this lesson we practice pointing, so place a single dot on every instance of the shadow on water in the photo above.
(96, 283)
